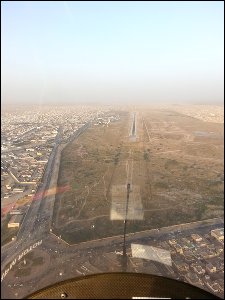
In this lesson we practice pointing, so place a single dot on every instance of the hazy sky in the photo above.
(112, 51)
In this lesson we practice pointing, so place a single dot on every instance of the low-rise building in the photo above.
(18, 190)
(15, 212)
(218, 234)
(178, 248)
(15, 221)
(172, 242)
(198, 269)
(196, 237)
(181, 266)
(214, 286)
(193, 279)
(210, 268)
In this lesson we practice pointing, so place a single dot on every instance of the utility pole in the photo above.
(124, 231)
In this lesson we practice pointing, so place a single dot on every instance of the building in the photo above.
(181, 266)
(218, 234)
(193, 279)
(15, 221)
(214, 286)
(178, 248)
(18, 190)
(172, 242)
(210, 268)
(15, 212)
(196, 237)
(198, 269)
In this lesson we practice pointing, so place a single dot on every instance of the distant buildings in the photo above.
(206, 113)
(28, 138)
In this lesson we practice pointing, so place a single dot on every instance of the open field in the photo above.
(174, 164)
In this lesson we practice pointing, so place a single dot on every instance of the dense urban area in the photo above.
(64, 177)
